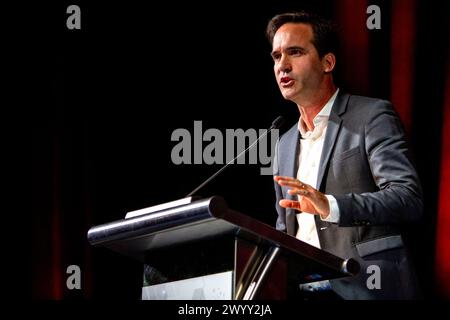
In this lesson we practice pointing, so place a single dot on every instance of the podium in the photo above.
(202, 249)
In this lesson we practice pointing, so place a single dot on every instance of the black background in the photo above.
(111, 94)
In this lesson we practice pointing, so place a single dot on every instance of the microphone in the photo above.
(276, 124)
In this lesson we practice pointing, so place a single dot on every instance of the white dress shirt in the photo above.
(311, 146)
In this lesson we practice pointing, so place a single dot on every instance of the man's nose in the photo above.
(285, 65)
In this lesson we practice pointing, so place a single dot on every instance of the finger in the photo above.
(296, 191)
(284, 178)
(290, 204)
(295, 184)
(302, 206)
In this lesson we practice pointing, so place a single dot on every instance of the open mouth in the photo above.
(286, 82)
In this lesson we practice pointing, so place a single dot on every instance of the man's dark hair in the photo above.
(325, 38)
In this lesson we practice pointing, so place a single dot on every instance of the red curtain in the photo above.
(406, 86)
(350, 16)
(442, 262)
(402, 58)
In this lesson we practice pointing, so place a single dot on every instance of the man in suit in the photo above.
(344, 178)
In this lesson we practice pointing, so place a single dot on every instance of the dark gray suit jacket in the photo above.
(366, 166)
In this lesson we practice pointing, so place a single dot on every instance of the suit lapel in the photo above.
(334, 125)
(290, 150)
(288, 167)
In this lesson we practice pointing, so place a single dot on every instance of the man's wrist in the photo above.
(334, 213)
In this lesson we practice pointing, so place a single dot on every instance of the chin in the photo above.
(288, 96)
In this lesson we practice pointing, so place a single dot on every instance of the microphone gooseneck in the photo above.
(276, 124)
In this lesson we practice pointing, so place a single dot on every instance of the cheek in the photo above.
(308, 71)
(275, 73)
(275, 70)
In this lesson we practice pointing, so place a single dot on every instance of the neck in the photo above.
(310, 108)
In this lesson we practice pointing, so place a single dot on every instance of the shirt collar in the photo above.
(320, 120)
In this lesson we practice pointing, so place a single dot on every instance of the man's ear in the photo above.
(328, 62)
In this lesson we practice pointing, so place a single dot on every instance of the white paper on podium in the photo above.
(217, 286)
(159, 207)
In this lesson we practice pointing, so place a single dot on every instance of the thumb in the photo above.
(290, 204)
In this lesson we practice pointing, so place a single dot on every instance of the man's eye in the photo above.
(296, 52)
(276, 56)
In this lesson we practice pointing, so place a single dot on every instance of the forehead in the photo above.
(289, 34)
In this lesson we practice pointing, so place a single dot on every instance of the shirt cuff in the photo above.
(334, 210)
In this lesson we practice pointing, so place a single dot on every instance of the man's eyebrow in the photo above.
(289, 49)
(295, 48)
(273, 52)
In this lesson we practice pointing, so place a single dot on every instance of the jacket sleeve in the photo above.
(399, 198)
